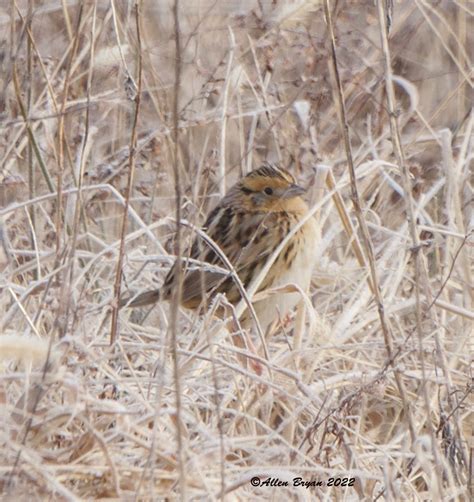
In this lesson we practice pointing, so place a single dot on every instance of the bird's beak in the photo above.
(293, 191)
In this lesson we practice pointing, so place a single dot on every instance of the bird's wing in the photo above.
(246, 239)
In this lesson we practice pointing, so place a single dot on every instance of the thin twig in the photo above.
(448, 276)
(61, 138)
(29, 130)
(131, 172)
(388, 338)
(224, 116)
(178, 277)
(78, 206)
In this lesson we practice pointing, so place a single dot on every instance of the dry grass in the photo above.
(370, 381)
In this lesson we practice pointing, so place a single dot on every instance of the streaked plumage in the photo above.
(248, 224)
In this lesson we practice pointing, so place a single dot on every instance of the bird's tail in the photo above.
(141, 300)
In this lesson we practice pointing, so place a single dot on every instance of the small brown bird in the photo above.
(248, 224)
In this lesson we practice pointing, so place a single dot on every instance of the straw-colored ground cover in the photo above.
(366, 389)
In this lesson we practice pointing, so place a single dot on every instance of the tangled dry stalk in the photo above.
(113, 112)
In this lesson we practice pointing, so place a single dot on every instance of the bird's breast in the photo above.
(293, 266)
(297, 259)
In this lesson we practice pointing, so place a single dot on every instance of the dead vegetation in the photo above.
(372, 382)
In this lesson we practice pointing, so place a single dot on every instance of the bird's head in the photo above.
(269, 188)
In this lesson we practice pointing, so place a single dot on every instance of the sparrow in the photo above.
(248, 224)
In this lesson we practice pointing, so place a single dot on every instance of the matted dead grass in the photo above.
(369, 384)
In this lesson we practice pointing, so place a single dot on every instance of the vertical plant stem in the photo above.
(367, 243)
(177, 290)
(81, 161)
(410, 212)
(62, 319)
(131, 172)
(29, 100)
(61, 139)
(67, 20)
(225, 101)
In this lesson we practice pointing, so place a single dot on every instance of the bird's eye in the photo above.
(268, 191)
